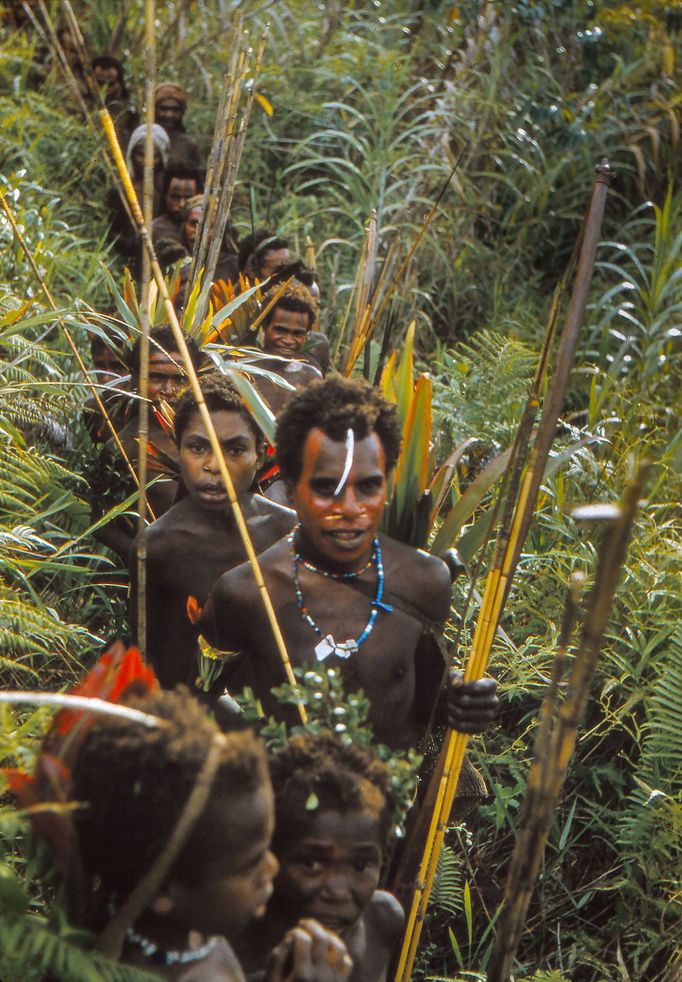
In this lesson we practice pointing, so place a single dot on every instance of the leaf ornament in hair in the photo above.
(46, 796)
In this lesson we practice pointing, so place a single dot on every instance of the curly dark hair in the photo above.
(108, 61)
(219, 393)
(296, 267)
(184, 172)
(334, 772)
(335, 405)
(163, 338)
(255, 245)
(133, 783)
(294, 297)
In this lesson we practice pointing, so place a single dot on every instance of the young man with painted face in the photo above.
(286, 328)
(343, 594)
(190, 546)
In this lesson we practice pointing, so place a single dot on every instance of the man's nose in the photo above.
(335, 888)
(211, 464)
(348, 502)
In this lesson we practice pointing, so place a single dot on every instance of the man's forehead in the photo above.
(322, 453)
(159, 359)
(181, 183)
(229, 424)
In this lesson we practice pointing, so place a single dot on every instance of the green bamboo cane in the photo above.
(556, 743)
(143, 410)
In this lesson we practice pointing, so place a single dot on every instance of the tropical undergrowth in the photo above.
(373, 107)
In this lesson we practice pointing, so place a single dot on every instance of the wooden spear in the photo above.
(557, 738)
(217, 159)
(501, 572)
(201, 404)
(143, 410)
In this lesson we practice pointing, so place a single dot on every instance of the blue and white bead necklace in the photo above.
(328, 646)
(162, 957)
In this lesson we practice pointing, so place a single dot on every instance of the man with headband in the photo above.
(170, 105)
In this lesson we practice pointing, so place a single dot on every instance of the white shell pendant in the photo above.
(328, 646)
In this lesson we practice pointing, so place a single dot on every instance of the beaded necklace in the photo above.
(291, 539)
(328, 646)
(161, 957)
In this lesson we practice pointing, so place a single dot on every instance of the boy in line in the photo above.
(332, 824)
(197, 540)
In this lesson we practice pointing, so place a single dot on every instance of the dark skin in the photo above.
(228, 892)
(197, 540)
(330, 864)
(400, 677)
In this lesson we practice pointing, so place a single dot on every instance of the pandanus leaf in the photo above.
(467, 504)
(404, 376)
(412, 471)
(441, 482)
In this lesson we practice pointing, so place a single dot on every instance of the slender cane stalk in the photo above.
(503, 566)
(91, 704)
(201, 405)
(143, 412)
(67, 334)
(362, 307)
(557, 738)
(310, 257)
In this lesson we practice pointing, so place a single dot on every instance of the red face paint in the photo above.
(337, 531)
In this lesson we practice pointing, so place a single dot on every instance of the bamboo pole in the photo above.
(502, 568)
(557, 739)
(201, 405)
(232, 168)
(67, 334)
(143, 411)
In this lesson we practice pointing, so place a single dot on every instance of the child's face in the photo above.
(239, 867)
(332, 870)
(199, 467)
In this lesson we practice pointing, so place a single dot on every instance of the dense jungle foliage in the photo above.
(372, 105)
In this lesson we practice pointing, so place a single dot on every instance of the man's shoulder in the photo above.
(274, 513)
(180, 517)
(422, 579)
(239, 583)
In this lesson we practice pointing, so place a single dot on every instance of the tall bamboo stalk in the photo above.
(143, 410)
(502, 569)
(557, 739)
(201, 404)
